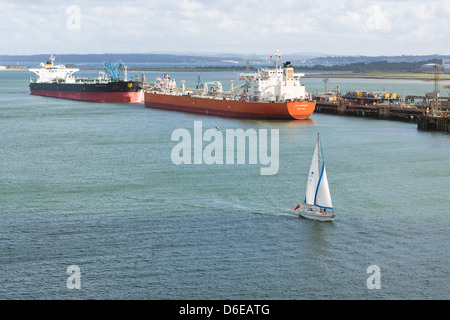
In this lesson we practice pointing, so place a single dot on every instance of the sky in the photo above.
(329, 27)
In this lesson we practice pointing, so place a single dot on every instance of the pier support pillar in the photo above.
(341, 108)
(384, 112)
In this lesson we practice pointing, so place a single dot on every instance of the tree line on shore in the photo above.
(357, 67)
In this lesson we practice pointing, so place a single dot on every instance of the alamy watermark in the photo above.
(374, 280)
(225, 150)
(73, 21)
(74, 280)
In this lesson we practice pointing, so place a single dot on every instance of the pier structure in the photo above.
(430, 112)
(434, 123)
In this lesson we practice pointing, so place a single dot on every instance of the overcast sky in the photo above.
(332, 27)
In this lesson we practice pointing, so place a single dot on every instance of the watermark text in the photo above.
(74, 280)
(238, 147)
(73, 21)
(374, 280)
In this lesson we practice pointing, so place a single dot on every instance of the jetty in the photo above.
(429, 112)
(434, 123)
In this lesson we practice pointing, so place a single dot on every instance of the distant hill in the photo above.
(345, 60)
(148, 60)
(128, 59)
(375, 66)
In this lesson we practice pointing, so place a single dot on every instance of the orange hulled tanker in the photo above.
(269, 93)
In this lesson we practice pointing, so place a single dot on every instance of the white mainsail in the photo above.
(314, 175)
(317, 189)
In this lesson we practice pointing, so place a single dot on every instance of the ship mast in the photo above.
(50, 61)
(277, 55)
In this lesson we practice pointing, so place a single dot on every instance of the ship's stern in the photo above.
(301, 109)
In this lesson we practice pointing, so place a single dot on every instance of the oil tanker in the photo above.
(110, 86)
(268, 93)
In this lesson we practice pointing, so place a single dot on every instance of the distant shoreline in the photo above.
(24, 69)
(313, 73)
(381, 75)
(310, 74)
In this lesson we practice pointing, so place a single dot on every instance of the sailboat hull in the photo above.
(316, 215)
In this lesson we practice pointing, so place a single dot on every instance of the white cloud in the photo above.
(378, 19)
(369, 27)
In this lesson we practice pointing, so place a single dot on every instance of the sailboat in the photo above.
(318, 198)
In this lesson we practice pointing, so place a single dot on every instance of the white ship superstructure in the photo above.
(49, 72)
(165, 83)
(279, 84)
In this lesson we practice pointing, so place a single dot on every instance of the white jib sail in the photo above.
(323, 197)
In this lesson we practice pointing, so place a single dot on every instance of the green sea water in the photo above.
(94, 185)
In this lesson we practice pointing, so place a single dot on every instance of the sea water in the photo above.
(93, 185)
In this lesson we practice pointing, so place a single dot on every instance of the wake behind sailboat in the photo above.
(318, 197)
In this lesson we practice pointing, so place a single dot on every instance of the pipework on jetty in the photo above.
(430, 112)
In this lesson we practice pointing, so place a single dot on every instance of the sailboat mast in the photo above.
(318, 151)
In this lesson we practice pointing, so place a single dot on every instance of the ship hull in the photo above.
(118, 91)
(230, 108)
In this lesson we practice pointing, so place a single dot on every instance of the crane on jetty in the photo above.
(435, 104)
(117, 71)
